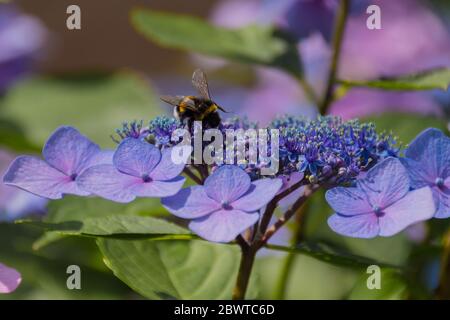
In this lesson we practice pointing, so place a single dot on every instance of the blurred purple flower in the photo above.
(67, 154)
(360, 102)
(412, 39)
(380, 204)
(21, 38)
(275, 93)
(139, 170)
(16, 203)
(225, 206)
(427, 160)
(9, 279)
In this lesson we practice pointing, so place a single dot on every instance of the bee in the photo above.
(188, 109)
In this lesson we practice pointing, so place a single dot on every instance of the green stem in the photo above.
(443, 291)
(281, 286)
(310, 94)
(192, 175)
(339, 28)
(245, 269)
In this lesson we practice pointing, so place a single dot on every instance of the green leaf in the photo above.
(251, 44)
(405, 126)
(174, 269)
(94, 104)
(118, 225)
(72, 208)
(44, 274)
(392, 287)
(328, 254)
(13, 137)
(427, 80)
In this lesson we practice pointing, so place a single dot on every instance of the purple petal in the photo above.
(103, 157)
(442, 200)
(385, 183)
(36, 176)
(166, 168)
(69, 151)
(107, 182)
(419, 175)
(292, 179)
(359, 226)
(432, 149)
(258, 195)
(190, 203)
(417, 205)
(158, 189)
(136, 157)
(227, 183)
(348, 201)
(9, 279)
(223, 225)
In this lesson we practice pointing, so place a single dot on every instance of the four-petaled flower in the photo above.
(139, 169)
(225, 206)
(9, 279)
(428, 162)
(380, 204)
(67, 154)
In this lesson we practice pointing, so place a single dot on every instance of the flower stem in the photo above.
(339, 28)
(309, 190)
(192, 175)
(310, 94)
(443, 290)
(280, 289)
(245, 269)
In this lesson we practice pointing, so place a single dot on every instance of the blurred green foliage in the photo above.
(96, 104)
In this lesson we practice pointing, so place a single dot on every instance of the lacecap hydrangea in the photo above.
(371, 187)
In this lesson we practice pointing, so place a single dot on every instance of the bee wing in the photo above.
(173, 100)
(222, 109)
(200, 83)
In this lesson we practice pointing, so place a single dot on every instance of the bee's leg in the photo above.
(190, 124)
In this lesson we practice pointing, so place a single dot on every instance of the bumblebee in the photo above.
(188, 109)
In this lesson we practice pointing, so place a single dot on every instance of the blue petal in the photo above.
(431, 149)
(136, 157)
(69, 151)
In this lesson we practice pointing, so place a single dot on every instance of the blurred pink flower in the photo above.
(9, 279)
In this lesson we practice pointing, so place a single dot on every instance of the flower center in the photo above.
(146, 178)
(439, 182)
(378, 211)
(226, 205)
(73, 176)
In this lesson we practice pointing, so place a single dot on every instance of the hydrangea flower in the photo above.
(161, 129)
(225, 206)
(67, 153)
(428, 163)
(134, 129)
(9, 279)
(380, 204)
(16, 203)
(139, 169)
(329, 146)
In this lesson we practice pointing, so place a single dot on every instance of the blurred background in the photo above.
(106, 73)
